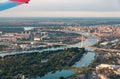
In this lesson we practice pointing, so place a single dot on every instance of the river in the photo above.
(85, 60)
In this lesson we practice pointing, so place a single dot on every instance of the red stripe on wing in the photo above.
(21, 1)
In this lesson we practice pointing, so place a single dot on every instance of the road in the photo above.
(103, 49)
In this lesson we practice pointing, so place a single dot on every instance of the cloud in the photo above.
(66, 8)
(74, 5)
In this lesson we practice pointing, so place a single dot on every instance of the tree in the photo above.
(61, 78)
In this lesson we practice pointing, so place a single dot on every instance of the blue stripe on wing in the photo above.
(7, 5)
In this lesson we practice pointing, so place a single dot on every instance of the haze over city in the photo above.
(65, 8)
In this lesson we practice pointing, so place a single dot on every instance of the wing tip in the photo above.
(21, 1)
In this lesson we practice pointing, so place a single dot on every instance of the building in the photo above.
(7, 38)
(37, 39)
(0, 33)
(101, 66)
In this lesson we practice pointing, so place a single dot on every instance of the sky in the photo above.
(65, 8)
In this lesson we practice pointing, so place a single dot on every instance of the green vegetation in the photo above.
(115, 77)
(31, 64)
(83, 70)
(61, 78)
(79, 71)
(2, 47)
(64, 37)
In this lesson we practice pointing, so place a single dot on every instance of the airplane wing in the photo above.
(22, 1)
(6, 4)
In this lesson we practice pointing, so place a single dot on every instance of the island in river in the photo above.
(38, 64)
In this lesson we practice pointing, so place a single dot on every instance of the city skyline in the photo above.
(65, 8)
